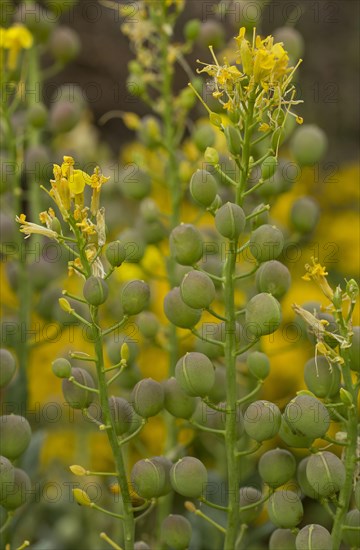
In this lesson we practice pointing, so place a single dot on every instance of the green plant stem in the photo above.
(244, 173)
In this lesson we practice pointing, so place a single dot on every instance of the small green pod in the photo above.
(262, 420)
(136, 184)
(249, 496)
(313, 537)
(292, 39)
(308, 144)
(64, 44)
(276, 467)
(307, 416)
(203, 137)
(186, 244)
(7, 367)
(233, 140)
(148, 324)
(148, 397)
(61, 367)
(325, 473)
(211, 350)
(37, 115)
(303, 481)
(134, 245)
(17, 493)
(258, 364)
(230, 220)
(197, 290)
(176, 401)
(262, 315)
(15, 435)
(79, 398)
(266, 243)
(305, 214)
(177, 312)
(351, 536)
(135, 296)
(176, 531)
(115, 253)
(95, 291)
(268, 167)
(148, 477)
(273, 277)
(7, 476)
(282, 539)
(189, 477)
(322, 379)
(259, 217)
(122, 414)
(203, 187)
(195, 373)
(292, 438)
(285, 509)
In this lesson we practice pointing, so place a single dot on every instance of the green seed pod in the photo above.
(258, 364)
(212, 33)
(266, 243)
(195, 373)
(7, 476)
(189, 477)
(15, 435)
(354, 351)
(176, 532)
(302, 479)
(95, 291)
(282, 539)
(249, 496)
(268, 167)
(78, 398)
(135, 296)
(351, 536)
(166, 464)
(149, 133)
(273, 277)
(322, 379)
(135, 185)
(149, 210)
(357, 494)
(140, 545)
(134, 245)
(230, 220)
(305, 214)
(148, 324)
(61, 367)
(148, 478)
(261, 218)
(307, 416)
(262, 420)
(113, 348)
(276, 467)
(293, 439)
(115, 253)
(7, 367)
(186, 244)
(16, 494)
(285, 509)
(192, 29)
(152, 232)
(313, 537)
(176, 401)
(64, 116)
(177, 312)
(325, 473)
(218, 391)
(293, 42)
(64, 44)
(211, 155)
(203, 187)
(233, 140)
(122, 414)
(262, 315)
(208, 348)
(148, 397)
(308, 144)
(55, 225)
(135, 85)
(203, 137)
(37, 115)
(197, 290)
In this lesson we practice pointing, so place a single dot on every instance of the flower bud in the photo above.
(233, 140)
(78, 398)
(115, 253)
(268, 167)
(148, 397)
(56, 225)
(308, 144)
(249, 496)
(7, 367)
(61, 367)
(285, 509)
(135, 85)
(17, 493)
(313, 536)
(177, 312)
(176, 531)
(305, 214)
(135, 184)
(81, 497)
(15, 435)
(122, 414)
(282, 539)
(276, 467)
(95, 291)
(262, 315)
(149, 134)
(230, 220)
(37, 115)
(64, 44)
(273, 277)
(149, 478)
(266, 243)
(186, 244)
(197, 290)
(321, 378)
(354, 350)
(203, 137)
(189, 477)
(262, 420)
(195, 373)
(258, 364)
(307, 416)
(351, 536)
(203, 187)
(135, 297)
(176, 401)
(211, 155)
(346, 397)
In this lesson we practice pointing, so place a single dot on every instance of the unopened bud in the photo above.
(81, 497)
(346, 397)
(77, 470)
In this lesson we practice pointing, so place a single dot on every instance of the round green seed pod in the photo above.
(273, 277)
(122, 414)
(135, 297)
(230, 220)
(7, 367)
(176, 531)
(148, 324)
(148, 397)
(134, 245)
(292, 438)
(233, 140)
(249, 496)
(261, 217)
(186, 244)
(308, 144)
(262, 420)
(177, 312)
(302, 479)
(189, 477)
(351, 536)
(95, 291)
(195, 373)
(203, 137)
(276, 467)
(357, 494)
(140, 545)
(76, 397)
(212, 33)
(282, 539)
(7, 476)
(322, 379)
(325, 473)
(192, 29)
(37, 115)
(203, 187)
(135, 185)
(285, 509)
(313, 537)
(354, 350)
(64, 44)
(197, 290)
(262, 315)
(292, 39)
(305, 214)
(258, 364)
(148, 478)
(115, 253)
(176, 401)
(211, 350)
(149, 132)
(61, 367)
(166, 464)
(64, 116)
(152, 232)
(15, 435)
(17, 493)
(266, 243)
(307, 416)
(268, 167)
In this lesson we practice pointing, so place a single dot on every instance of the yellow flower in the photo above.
(15, 39)
(30, 228)
(77, 181)
(318, 274)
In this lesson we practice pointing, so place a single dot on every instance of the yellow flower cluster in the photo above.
(317, 273)
(14, 39)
